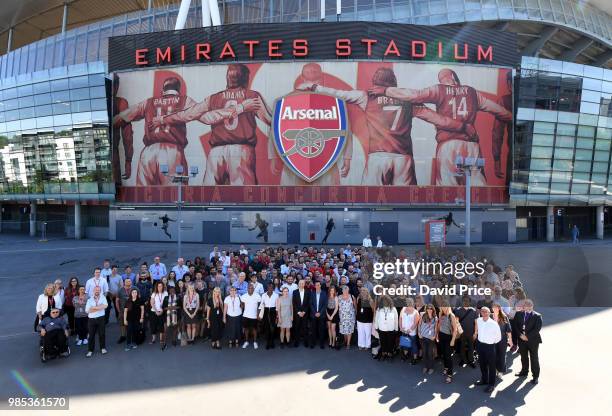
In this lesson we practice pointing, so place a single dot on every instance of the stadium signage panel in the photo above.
(339, 40)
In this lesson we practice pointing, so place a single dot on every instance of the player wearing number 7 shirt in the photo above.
(389, 120)
(461, 103)
(231, 160)
(164, 145)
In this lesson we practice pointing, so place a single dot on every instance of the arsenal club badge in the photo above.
(309, 132)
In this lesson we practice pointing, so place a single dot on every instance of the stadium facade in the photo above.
(63, 164)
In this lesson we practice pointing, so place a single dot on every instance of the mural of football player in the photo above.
(312, 73)
(262, 225)
(231, 160)
(389, 120)
(460, 103)
(164, 145)
(499, 128)
(448, 220)
(328, 229)
(124, 132)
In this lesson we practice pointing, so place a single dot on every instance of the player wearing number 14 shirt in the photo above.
(164, 144)
(231, 160)
(389, 120)
(461, 103)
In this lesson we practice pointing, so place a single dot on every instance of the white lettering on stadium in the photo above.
(166, 100)
(456, 90)
(309, 114)
(233, 95)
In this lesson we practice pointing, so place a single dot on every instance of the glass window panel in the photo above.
(582, 166)
(80, 106)
(589, 108)
(541, 127)
(59, 84)
(561, 188)
(541, 152)
(79, 94)
(599, 178)
(580, 188)
(44, 110)
(600, 167)
(98, 104)
(582, 154)
(564, 153)
(602, 145)
(543, 140)
(79, 82)
(61, 96)
(586, 131)
(582, 177)
(41, 87)
(42, 99)
(601, 156)
(584, 143)
(604, 133)
(96, 79)
(566, 141)
(24, 90)
(26, 113)
(61, 108)
(564, 165)
(11, 115)
(97, 92)
(540, 164)
(557, 176)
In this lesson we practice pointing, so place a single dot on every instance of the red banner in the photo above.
(313, 195)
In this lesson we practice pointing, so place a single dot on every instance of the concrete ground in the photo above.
(572, 286)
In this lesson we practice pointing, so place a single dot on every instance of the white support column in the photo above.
(9, 43)
(181, 19)
(206, 21)
(599, 221)
(550, 223)
(322, 9)
(215, 15)
(77, 221)
(32, 219)
(65, 17)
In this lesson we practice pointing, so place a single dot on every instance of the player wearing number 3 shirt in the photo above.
(164, 144)
(231, 160)
(389, 120)
(460, 103)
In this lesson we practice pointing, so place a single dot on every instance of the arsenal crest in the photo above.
(310, 131)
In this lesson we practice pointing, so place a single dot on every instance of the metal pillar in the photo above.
(179, 204)
(150, 5)
(206, 21)
(65, 18)
(9, 43)
(77, 221)
(599, 221)
(468, 207)
(181, 19)
(550, 223)
(215, 15)
(32, 219)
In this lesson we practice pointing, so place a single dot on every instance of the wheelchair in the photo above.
(53, 351)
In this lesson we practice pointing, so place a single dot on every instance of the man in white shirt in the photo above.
(96, 324)
(367, 242)
(214, 253)
(488, 334)
(157, 269)
(257, 287)
(180, 269)
(289, 284)
(250, 302)
(379, 242)
(106, 270)
(96, 281)
(243, 250)
(268, 305)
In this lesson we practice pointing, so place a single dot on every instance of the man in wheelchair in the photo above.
(54, 334)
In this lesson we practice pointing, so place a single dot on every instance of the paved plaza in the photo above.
(572, 287)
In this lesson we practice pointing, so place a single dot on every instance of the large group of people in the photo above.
(301, 296)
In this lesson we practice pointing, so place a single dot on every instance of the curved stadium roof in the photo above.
(571, 30)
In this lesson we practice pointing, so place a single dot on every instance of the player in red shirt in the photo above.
(164, 144)
(456, 101)
(500, 127)
(231, 160)
(389, 120)
(121, 132)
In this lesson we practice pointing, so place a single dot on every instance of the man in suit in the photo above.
(529, 324)
(301, 306)
(318, 308)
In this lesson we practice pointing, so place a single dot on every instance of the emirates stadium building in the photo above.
(291, 121)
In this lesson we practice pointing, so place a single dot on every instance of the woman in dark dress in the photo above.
(506, 338)
(332, 316)
(214, 318)
(71, 291)
(133, 317)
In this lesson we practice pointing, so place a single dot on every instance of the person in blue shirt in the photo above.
(575, 234)
(241, 284)
(128, 274)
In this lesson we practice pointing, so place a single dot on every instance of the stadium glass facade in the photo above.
(55, 102)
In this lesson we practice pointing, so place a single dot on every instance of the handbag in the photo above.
(405, 341)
